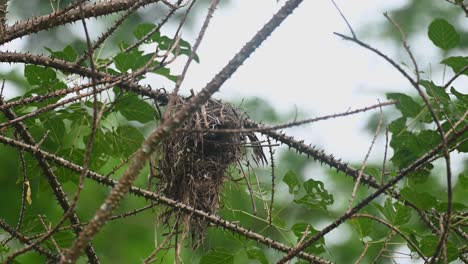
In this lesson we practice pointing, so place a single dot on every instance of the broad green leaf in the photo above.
(135, 109)
(166, 73)
(163, 41)
(421, 175)
(429, 243)
(462, 97)
(403, 214)
(463, 181)
(67, 54)
(457, 64)
(397, 125)
(132, 60)
(299, 230)
(144, 29)
(38, 75)
(423, 200)
(436, 91)
(443, 34)
(290, 178)
(257, 254)
(127, 140)
(218, 256)
(442, 207)
(316, 195)
(363, 225)
(407, 106)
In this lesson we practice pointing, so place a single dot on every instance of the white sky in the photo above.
(304, 66)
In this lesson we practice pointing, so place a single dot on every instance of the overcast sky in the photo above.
(304, 66)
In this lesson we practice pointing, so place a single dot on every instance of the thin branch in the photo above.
(101, 8)
(3, 12)
(272, 164)
(405, 45)
(209, 217)
(458, 74)
(107, 34)
(151, 143)
(262, 128)
(24, 240)
(216, 220)
(181, 77)
(363, 166)
(394, 228)
(415, 84)
(344, 18)
(404, 172)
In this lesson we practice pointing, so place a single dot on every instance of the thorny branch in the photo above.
(101, 81)
(150, 144)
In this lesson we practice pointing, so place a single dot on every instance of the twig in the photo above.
(23, 239)
(150, 144)
(181, 77)
(405, 45)
(164, 200)
(55, 186)
(52, 20)
(408, 240)
(262, 128)
(363, 166)
(458, 74)
(272, 164)
(414, 166)
(51, 237)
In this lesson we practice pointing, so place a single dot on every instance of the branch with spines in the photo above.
(404, 172)
(90, 10)
(151, 143)
(14, 233)
(214, 219)
(297, 145)
(52, 179)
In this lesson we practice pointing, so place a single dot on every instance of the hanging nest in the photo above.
(192, 166)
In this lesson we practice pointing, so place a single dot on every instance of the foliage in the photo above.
(399, 204)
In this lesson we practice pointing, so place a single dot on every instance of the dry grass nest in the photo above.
(193, 165)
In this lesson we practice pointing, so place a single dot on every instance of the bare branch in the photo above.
(150, 144)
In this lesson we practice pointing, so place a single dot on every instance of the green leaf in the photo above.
(127, 140)
(166, 73)
(135, 109)
(435, 91)
(363, 225)
(421, 175)
(257, 254)
(397, 125)
(443, 34)
(423, 200)
(290, 178)
(38, 75)
(142, 29)
(67, 54)
(463, 181)
(457, 64)
(403, 214)
(218, 256)
(407, 106)
(132, 60)
(299, 230)
(429, 243)
(316, 195)
(462, 97)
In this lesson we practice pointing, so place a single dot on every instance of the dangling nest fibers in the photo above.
(192, 166)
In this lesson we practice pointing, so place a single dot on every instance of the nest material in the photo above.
(192, 167)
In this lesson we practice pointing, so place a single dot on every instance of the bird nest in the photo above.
(193, 165)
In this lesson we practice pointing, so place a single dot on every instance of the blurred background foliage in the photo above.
(130, 239)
